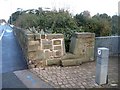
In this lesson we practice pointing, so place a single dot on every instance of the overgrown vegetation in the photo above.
(63, 22)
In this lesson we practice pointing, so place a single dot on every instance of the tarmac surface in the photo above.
(12, 57)
(12, 60)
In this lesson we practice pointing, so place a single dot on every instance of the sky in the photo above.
(7, 7)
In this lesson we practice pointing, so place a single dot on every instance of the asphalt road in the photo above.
(11, 59)
(13, 65)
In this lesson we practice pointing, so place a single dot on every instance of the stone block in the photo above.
(40, 64)
(57, 48)
(69, 56)
(54, 36)
(36, 55)
(47, 47)
(52, 62)
(31, 66)
(31, 55)
(30, 36)
(63, 47)
(37, 36)
(57, 42)
(71, 62)
(48, 54)
(46, 42)
(33, 42)
(57, 54)
(39, 48)
(33, 48)
(42, 36)
(83, 35)
(82, 44)
(90, 53)
(40, 55)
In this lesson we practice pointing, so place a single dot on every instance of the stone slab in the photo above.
(53, 62)
(54, 36)
(33, 43)
(71, 62)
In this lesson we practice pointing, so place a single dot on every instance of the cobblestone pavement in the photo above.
(82, 76)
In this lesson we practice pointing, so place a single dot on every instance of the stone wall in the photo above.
(82, 45)
(40, 49)
(49, 49)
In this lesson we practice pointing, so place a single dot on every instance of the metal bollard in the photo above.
(102, 65)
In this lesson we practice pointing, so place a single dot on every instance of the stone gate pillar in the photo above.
(82, 45)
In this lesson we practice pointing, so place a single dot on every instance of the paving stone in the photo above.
(82, 86)
(62, 86)
(76, 76)
(72, 84)
(60, 83)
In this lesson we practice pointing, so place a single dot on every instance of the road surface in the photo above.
(11, 58)
(13, 64)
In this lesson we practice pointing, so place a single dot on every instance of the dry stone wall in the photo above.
(40, 49)
(49, 49)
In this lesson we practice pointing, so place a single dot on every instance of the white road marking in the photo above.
(2, 34)
(8, 31)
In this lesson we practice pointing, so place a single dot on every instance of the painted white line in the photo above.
(8, 31)
(2, 34)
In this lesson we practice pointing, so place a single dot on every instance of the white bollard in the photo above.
(102, 65)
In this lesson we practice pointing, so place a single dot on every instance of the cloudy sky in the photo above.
(74, 6)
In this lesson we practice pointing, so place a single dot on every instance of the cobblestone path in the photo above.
(82, 76)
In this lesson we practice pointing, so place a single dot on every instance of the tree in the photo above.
(115, 25)
(100, 24)
(86, 14)
(26, 20)
(104, 24)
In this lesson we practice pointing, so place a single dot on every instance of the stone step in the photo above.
(71, 62)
